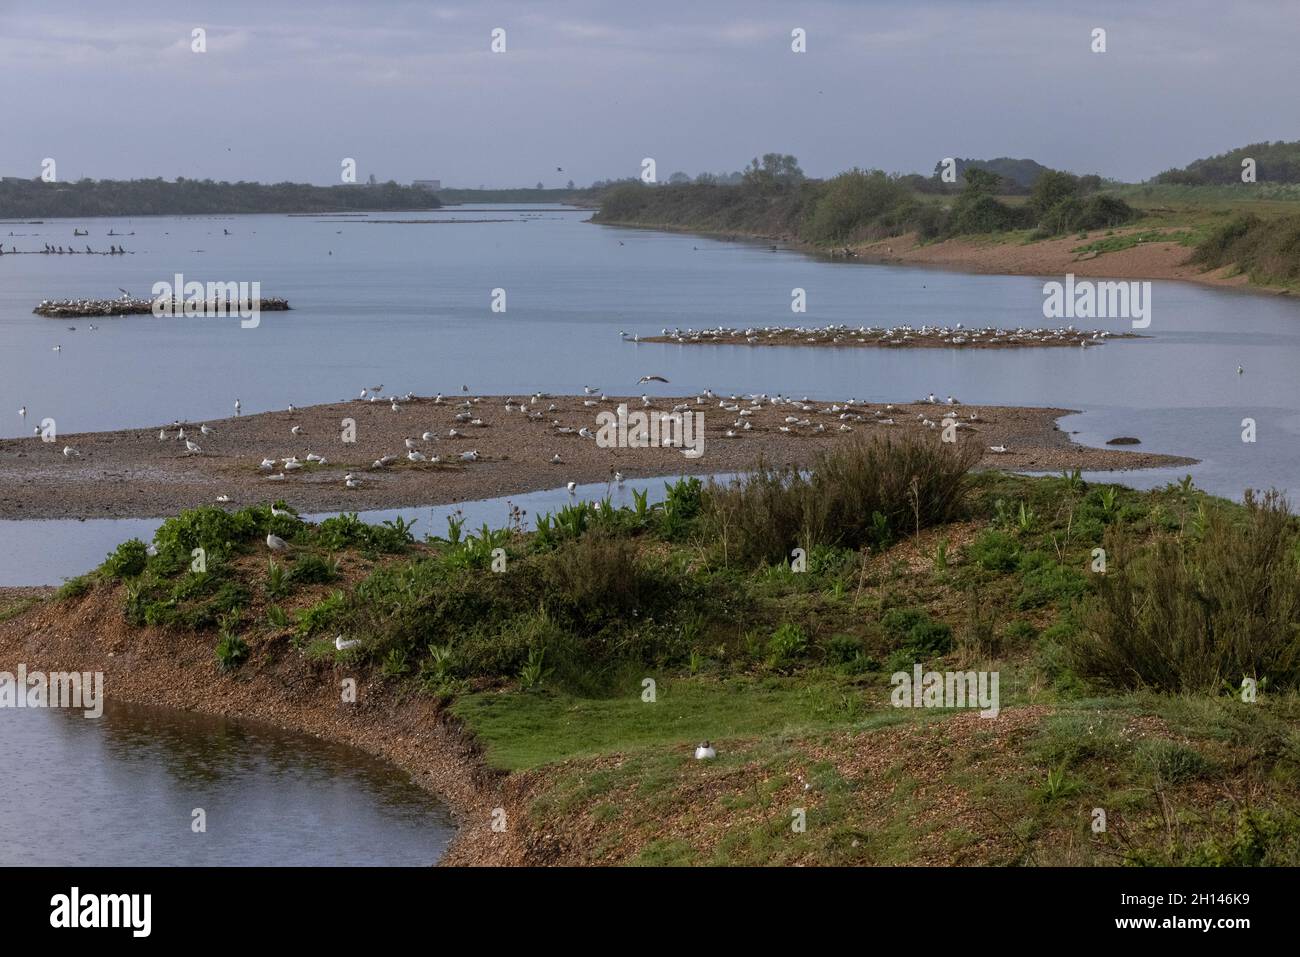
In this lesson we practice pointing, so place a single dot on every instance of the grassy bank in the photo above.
(589, 655)
(1248, 230)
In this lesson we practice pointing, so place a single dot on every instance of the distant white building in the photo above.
(427, 183)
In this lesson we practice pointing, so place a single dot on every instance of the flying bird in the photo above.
(651, 378)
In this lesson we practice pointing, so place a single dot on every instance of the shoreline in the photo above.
(131, 473)
(1045, 258)
(175, 670)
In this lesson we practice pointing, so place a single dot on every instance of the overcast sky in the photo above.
(286, 90)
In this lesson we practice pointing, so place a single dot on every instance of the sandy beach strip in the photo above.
(132, 473)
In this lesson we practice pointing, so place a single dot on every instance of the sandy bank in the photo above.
(132, 473)
(177, 670)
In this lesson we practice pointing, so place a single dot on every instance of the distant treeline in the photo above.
(473, 196)
(1274, 163)
(776, 199)
(27, 199)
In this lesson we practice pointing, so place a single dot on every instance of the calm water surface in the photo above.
(408, 305)
(121, 790)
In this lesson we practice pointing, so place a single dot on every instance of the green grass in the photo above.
(524, 730)
(1127, 240)
(787, 672)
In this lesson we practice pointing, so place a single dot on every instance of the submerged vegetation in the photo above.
(769, 614)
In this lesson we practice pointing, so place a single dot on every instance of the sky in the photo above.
(288, 90)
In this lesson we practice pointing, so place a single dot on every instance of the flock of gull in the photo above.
(126, 305)
(845, 335)
(803, 417)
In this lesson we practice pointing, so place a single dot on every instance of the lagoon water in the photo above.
(408, 304)
(121, 790)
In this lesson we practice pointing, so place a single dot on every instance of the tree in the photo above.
(980, 182)
(570, 186)
(539, 185)
(678, 178)
(1052, 188)
(775, 169)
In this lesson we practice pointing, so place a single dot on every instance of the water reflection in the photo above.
(121, 791)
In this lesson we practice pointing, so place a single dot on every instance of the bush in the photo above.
(311, 569)
(844, 648)
(852, 203)
(915, 633)
(597, 579)
(128, 560)
(1267, 250)
(859, 493)
(1044, 580)
(1198, 615)
(995, 551)
(787, 644)
(231, 651)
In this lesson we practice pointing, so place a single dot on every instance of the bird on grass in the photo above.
(343, 644)
(275, 543)
(705, 751)
(282, 512)
(998, 448)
